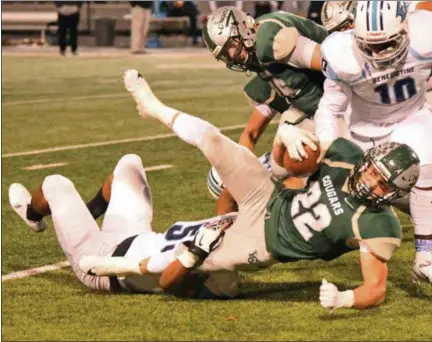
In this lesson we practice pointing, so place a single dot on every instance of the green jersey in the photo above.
(303, 88)
(322, 221)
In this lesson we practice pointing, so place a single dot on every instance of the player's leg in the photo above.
(130, 208)
(76, 230)
(239, 169)
(421, 195)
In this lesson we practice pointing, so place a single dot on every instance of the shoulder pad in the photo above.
(274, 40)
(419, 24)
(338, 66)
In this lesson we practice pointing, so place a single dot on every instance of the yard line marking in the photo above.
(35, 271)
(106, 143)
(43, 166)
(158, 167)
(55, 267)
(112, 95)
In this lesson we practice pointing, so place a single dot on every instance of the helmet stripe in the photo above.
(375, 14)
(368, 14)
(381, 15)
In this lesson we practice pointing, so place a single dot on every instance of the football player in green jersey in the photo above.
(343, 207)
(283, 50)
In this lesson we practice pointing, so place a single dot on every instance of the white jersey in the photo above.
(380, 98)
(161, 249)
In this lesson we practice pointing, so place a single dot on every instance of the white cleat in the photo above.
(147, 103)
(19, 199)
(422, 271)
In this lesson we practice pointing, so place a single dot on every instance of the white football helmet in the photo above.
(215, 184)
(337, 15)
(381, 32)
(227, 27)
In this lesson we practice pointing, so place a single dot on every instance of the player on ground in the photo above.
(382, 73)
(341, 206)
(126, 232)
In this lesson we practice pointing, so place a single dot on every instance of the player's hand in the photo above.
(294, 138)
(208, 238)
(330, 297)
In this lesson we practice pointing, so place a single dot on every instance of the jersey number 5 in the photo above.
(317, 217)
(403, 90)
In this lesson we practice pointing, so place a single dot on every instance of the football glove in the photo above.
(294, 138)
(331, 298)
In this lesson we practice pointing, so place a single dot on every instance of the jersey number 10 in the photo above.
(403, 90)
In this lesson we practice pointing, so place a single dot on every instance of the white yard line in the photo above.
(35, 271)
(158, 167)
(54, 267)
(223, 84)
(43, 166)
(102, 143)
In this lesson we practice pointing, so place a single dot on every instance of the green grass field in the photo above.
(51, 102)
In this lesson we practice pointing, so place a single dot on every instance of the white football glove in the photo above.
(208, 238)
(422, 271)
(331, 298)
(294, 138)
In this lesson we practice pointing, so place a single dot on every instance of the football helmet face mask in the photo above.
(386, 173)
(380, 32)
(229, 35)
(337, 15)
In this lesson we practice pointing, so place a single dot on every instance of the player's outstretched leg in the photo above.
(240, 170)
(130, 209)
(25, 206)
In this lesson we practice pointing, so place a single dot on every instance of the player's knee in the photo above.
(128, 161)
(56, 182)
(213, 137)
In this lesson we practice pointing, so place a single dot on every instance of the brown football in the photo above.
(300, 168)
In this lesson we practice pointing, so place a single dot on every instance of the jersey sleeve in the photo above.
(343, 151)
(333, 104)
(274, 41)
(380, 232)
(264, 98)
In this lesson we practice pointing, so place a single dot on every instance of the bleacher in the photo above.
(36, 16)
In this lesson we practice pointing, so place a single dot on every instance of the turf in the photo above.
(50, 102)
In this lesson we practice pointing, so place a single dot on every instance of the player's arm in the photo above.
(371, 293)
(373, 290)
(256, 126)
(225, 203)
(332, 105)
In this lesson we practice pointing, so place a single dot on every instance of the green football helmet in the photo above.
(337, 15)
(396, 163)
(225, 26)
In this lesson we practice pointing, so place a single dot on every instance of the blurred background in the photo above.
(135, 25)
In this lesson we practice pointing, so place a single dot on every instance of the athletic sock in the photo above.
(98, 205)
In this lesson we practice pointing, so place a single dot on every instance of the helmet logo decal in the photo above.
(401, 10)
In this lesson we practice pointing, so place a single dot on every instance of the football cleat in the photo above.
(422, 271)
(147, 103)
(19, 199)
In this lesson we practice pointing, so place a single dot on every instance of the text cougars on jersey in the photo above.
(332, 195)
(392, 75)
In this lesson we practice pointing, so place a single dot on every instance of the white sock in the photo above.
(421, 215)
(191, 129)
(167, 114)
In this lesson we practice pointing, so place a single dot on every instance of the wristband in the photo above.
(347, 298)
(188, 259)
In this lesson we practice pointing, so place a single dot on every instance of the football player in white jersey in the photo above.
(126, 232)
(382, 73)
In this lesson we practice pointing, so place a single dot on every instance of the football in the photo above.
(299, 168)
